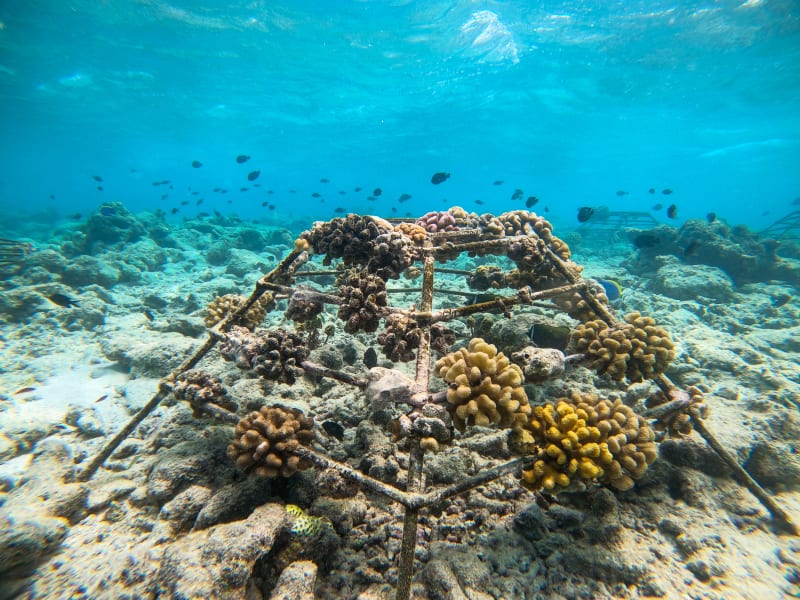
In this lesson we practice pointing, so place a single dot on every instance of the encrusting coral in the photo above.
(436, 222)
(301, 308)
(274, 355)
(584, 437)
(485, 387)
(634, 350)
(400, 338)
(199, 388)
(266, 441)
(221, 306)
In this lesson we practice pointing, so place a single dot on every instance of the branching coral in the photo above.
(274, 355)
(633, 350)
(266, 441)
(587, 438)
(486, 277)
(363, 299)
(485, 387)
(400, 338)
(199, 388)
(221, 306)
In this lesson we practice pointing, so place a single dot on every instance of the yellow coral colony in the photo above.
(485, 387)
(587, 438)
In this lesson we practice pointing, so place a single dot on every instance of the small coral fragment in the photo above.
(222, 306)
(199, 388)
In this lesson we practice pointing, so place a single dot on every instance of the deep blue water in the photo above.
(568, 101)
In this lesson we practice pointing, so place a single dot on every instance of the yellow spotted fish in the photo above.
(306, 525)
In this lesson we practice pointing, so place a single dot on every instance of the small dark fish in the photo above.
(156, 183)
(216, 189)
(243, 189)
(270, 192)
(24, 390)
(174, 210)
(765, 213)
(292, 191)
(340, 210)
(52, 196)
(652, 191)
(370, 358)
(62, 300)
(101, 398)
(585, 213)
(439, 177)
(333, 429)
(223, 191)
(230, 201)
(646, 240)
(242, 158)
(271, 207)
(132, 170)
(672, 211)
(342, 192)
(666, 191)
(547, 209)
(323, 180)
(779, 301)
(199, 202)
(622, 193)
(75, 216)
(394, 209)
(196, 164)
(97, 178)
(517, 194)
(165, 182)
(691, 249)
(264, 203)
(711, 217)
(256, 185)
(316, 195)
(184, 203)
(164, 196)
(479, 202)
(202, 215)
(796, 202)
(253, 175)
(371, 198)
(357, 189)
(108, 211)
(658, 206)
(498, 182)
(377, 192)
(195, 193)
(531, 201)
(404, 197)
(99, 188)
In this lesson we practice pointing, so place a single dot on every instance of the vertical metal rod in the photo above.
(414, 482)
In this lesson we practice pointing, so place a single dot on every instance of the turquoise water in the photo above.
(568, 101)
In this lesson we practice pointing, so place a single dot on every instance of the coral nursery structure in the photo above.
(570, 442)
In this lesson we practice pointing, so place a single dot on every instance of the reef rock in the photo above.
(690, 282)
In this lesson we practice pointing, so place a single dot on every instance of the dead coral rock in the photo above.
(386, 387)
(598, 562)
(26, 539)
(690, 282)
(302, 307)
(218, 562)
(232, 502)
(180, 512)
(774, 466)
(266, 440)
(296, 582)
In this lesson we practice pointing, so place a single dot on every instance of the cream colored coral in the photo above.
(485, 387)
(634, 350)
(221, 306)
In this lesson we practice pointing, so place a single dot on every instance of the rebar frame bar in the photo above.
(414, 498)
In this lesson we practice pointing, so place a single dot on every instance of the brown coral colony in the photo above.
(266, 441)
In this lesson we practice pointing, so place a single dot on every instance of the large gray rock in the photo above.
(296, 582)
(692, 282)
(26, 540)
(218, 562)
